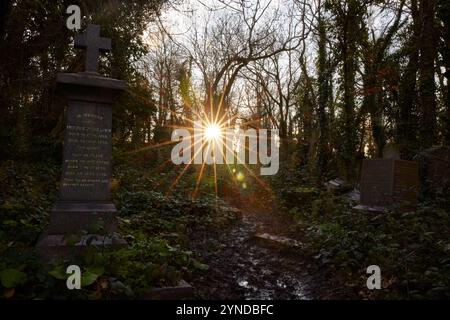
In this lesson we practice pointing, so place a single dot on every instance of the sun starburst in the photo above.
(212, 131)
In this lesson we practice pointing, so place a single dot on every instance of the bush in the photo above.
(157, 227)
(412, 248)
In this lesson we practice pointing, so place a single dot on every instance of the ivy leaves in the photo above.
(88, 277)
(11, 278)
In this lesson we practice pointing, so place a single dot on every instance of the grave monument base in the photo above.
(91, 223)
(71, 217)
(59, 246)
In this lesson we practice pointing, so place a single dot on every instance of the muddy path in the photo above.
(241, 266)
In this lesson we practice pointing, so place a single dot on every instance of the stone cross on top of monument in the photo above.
(94, 44)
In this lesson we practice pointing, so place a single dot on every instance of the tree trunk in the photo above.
(407, 121)
(427, 85)
(349, 73)
(324, 76)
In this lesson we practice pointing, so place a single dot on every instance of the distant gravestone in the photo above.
(386, 182)
(84, 203)
(391, 151)
(435, 168)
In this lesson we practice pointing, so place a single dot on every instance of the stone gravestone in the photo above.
(389, 181)
(435, 168)
(391, 151)
(84, 204)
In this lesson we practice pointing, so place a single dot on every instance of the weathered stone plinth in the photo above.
(60, 246)
(71, 217)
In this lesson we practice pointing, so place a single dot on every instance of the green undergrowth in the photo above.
(156, 224)
(411, 248)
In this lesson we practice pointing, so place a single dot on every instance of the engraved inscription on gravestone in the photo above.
(87, 153)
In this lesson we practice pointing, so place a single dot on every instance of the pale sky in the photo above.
(182, 19)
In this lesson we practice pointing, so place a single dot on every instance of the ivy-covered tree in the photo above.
(31, 114)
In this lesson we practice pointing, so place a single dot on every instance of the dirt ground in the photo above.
(244, 267)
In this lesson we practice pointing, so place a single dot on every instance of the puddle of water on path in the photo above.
(244, 284)
(281, 284)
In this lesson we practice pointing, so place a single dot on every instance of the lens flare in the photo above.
(240, 177)
(213, 132)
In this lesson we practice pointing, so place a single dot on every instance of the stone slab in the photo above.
(90, 79)
(284, 241)
(376, 209)
(183, 291)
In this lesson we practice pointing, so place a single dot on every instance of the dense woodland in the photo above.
(340, 80)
